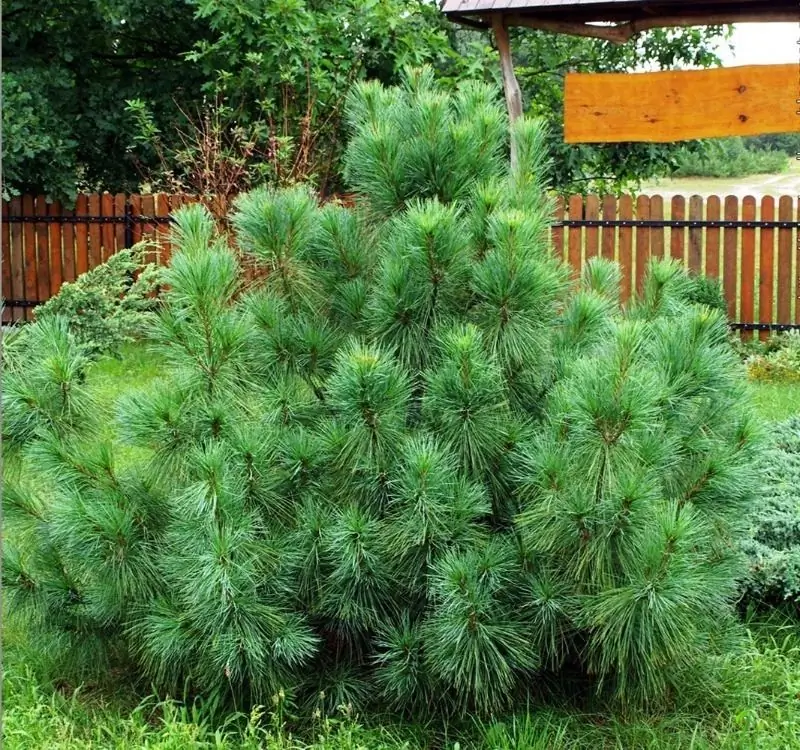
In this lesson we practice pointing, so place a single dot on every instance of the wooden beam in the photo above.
(680, 105)
(510, 84)
(622, 32)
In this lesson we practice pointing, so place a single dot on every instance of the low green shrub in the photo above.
(728, 157)
(108, 305)
(773, 547)
(779, 361)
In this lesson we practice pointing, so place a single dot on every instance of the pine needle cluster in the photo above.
(418, 467)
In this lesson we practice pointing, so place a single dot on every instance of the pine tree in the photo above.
(416, 467)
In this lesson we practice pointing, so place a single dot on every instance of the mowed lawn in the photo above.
(761, 711)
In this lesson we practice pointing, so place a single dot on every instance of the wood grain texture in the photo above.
(95, 232)
(609, 239)
(626, 248)
(6, 265)
(713, 213)
(82, 236)
(766, 268)
(748, 268)
(70, 251)
(575, 234)
(679, 105)
(695, 253)
(17, 259)
(642, 242)
(785, 290)
(107, 207)
(677, 234)
(657, 237)
(592, 212)
(56, 267)
(42, 252)
(730, 261)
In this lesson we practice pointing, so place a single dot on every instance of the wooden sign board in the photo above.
(681, 105)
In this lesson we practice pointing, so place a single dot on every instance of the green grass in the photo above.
(759, 706)
(776, 401)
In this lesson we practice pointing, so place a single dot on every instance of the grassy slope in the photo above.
(761, 708)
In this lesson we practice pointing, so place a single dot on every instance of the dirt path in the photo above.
(756, 185)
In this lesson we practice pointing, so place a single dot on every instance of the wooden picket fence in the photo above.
(752, 246)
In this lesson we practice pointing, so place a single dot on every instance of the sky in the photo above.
(763, 44)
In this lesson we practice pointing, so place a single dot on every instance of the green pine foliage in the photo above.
(415, 468)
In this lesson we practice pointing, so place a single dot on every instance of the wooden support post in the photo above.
(510, 84)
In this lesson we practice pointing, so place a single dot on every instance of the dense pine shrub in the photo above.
(417, 467)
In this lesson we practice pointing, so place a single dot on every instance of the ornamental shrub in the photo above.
(780, 362)
(108, 305)
(773, 546)
(416, 467)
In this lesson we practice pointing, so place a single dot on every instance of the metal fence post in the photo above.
(128, 224)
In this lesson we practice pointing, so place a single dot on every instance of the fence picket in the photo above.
(712, 237)
(748, 267)
(29, 251)
(575, 234)
(730, 240)
(642, 241)
(42, 252)
(695, 254)
(609, 242)
(6, 265)
(149, 229)
(56, 268)
(766, 266)
(17, 260)
(558, 231)
(162, 228)
(625, 247)
(107, 209)
(119, 227)
(785, 290)
(70, 251)
(657, 238)
(82, 235)
(135, 202)
(95, 235)
(592, 213)
(676, 234)
(796, 242)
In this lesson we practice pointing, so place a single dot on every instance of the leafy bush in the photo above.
(779, 362)
(108, 305)
(728, 157)
(773, 548)
(413, 467)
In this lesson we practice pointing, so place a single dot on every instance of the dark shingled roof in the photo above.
(586, 11)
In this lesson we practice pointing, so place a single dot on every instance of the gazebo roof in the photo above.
(637, 15)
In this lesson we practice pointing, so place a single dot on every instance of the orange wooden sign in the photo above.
(682, 104)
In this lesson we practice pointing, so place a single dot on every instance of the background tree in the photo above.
(68, 68)
(108, 94)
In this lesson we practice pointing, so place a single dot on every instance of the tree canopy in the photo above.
(101, 94)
